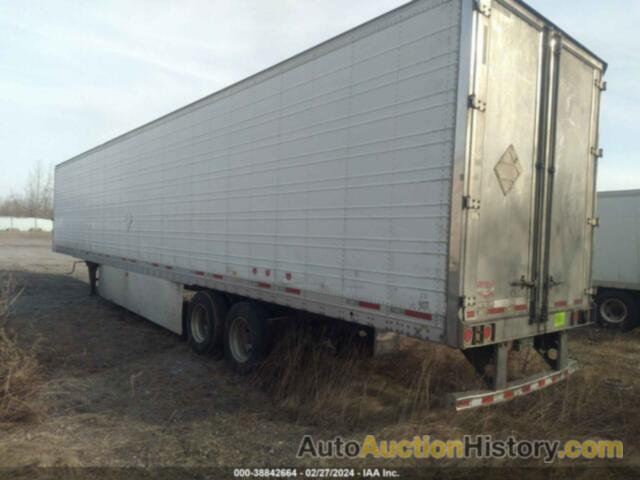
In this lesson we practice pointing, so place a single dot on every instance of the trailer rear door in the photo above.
(500, 202)
(572, 181)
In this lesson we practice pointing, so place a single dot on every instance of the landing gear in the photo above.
(93, 277)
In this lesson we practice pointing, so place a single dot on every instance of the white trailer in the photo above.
(430, 172)
(616, 259)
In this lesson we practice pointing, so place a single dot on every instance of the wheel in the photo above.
(205, 320)
(617, 309)
(247, 337)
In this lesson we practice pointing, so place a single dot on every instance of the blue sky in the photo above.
(74, 74)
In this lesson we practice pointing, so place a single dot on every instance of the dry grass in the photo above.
(306, 376)
(18, 366)
(404, 393)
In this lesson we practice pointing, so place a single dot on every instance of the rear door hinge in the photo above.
(594, 222)
(597, 152)
(591, 291)
(469, 203)
(483, 7)
(476, 103)
(601, 85)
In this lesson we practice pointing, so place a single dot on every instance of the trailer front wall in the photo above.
(329, 174)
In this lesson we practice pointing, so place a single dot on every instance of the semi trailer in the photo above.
(616, 259)
(430, 172)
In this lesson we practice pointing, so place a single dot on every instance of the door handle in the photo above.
(523, 283)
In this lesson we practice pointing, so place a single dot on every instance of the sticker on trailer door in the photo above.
(485, 288)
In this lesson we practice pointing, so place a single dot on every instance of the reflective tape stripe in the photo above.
(372, 306)
(479, 400)
(420, 315)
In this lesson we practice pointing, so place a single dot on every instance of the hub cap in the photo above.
(614, 311)
(199, 324)
(241, 339)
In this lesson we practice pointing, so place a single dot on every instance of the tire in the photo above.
(617, 310)
(247, 337)
(205, 322)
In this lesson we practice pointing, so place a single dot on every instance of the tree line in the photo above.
(36, 198)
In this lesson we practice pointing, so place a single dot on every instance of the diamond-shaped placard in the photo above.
(508, 169)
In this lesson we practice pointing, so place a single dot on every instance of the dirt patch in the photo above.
(120, 391)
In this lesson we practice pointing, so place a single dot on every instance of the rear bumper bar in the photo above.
(519, 388)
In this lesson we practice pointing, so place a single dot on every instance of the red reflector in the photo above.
(495, 310)
(463, 403)
(217, 276)
(468, 335)
(199, 273)
(295, 291)
(372, 306)
(267, 272)
(508, 394)
(577, 301)
(526, 389)
(542, 383)
(488, 399)
(561, 303)
(420, 315)
(288, 275)
(520, 308)
(471, 314)
(254, 270)
(486, 331)
(264, 285)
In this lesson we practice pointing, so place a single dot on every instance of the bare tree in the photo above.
(37, 199)
(38, 192)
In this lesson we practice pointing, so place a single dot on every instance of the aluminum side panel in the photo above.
(330, 174)
(153, 298)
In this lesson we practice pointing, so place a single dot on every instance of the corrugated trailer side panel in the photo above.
(329, 174)
(616, 259)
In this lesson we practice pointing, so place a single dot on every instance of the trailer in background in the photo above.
(25, 224)
(616, 259)
(430, 173)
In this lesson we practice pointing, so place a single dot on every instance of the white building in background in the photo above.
(25, 224)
